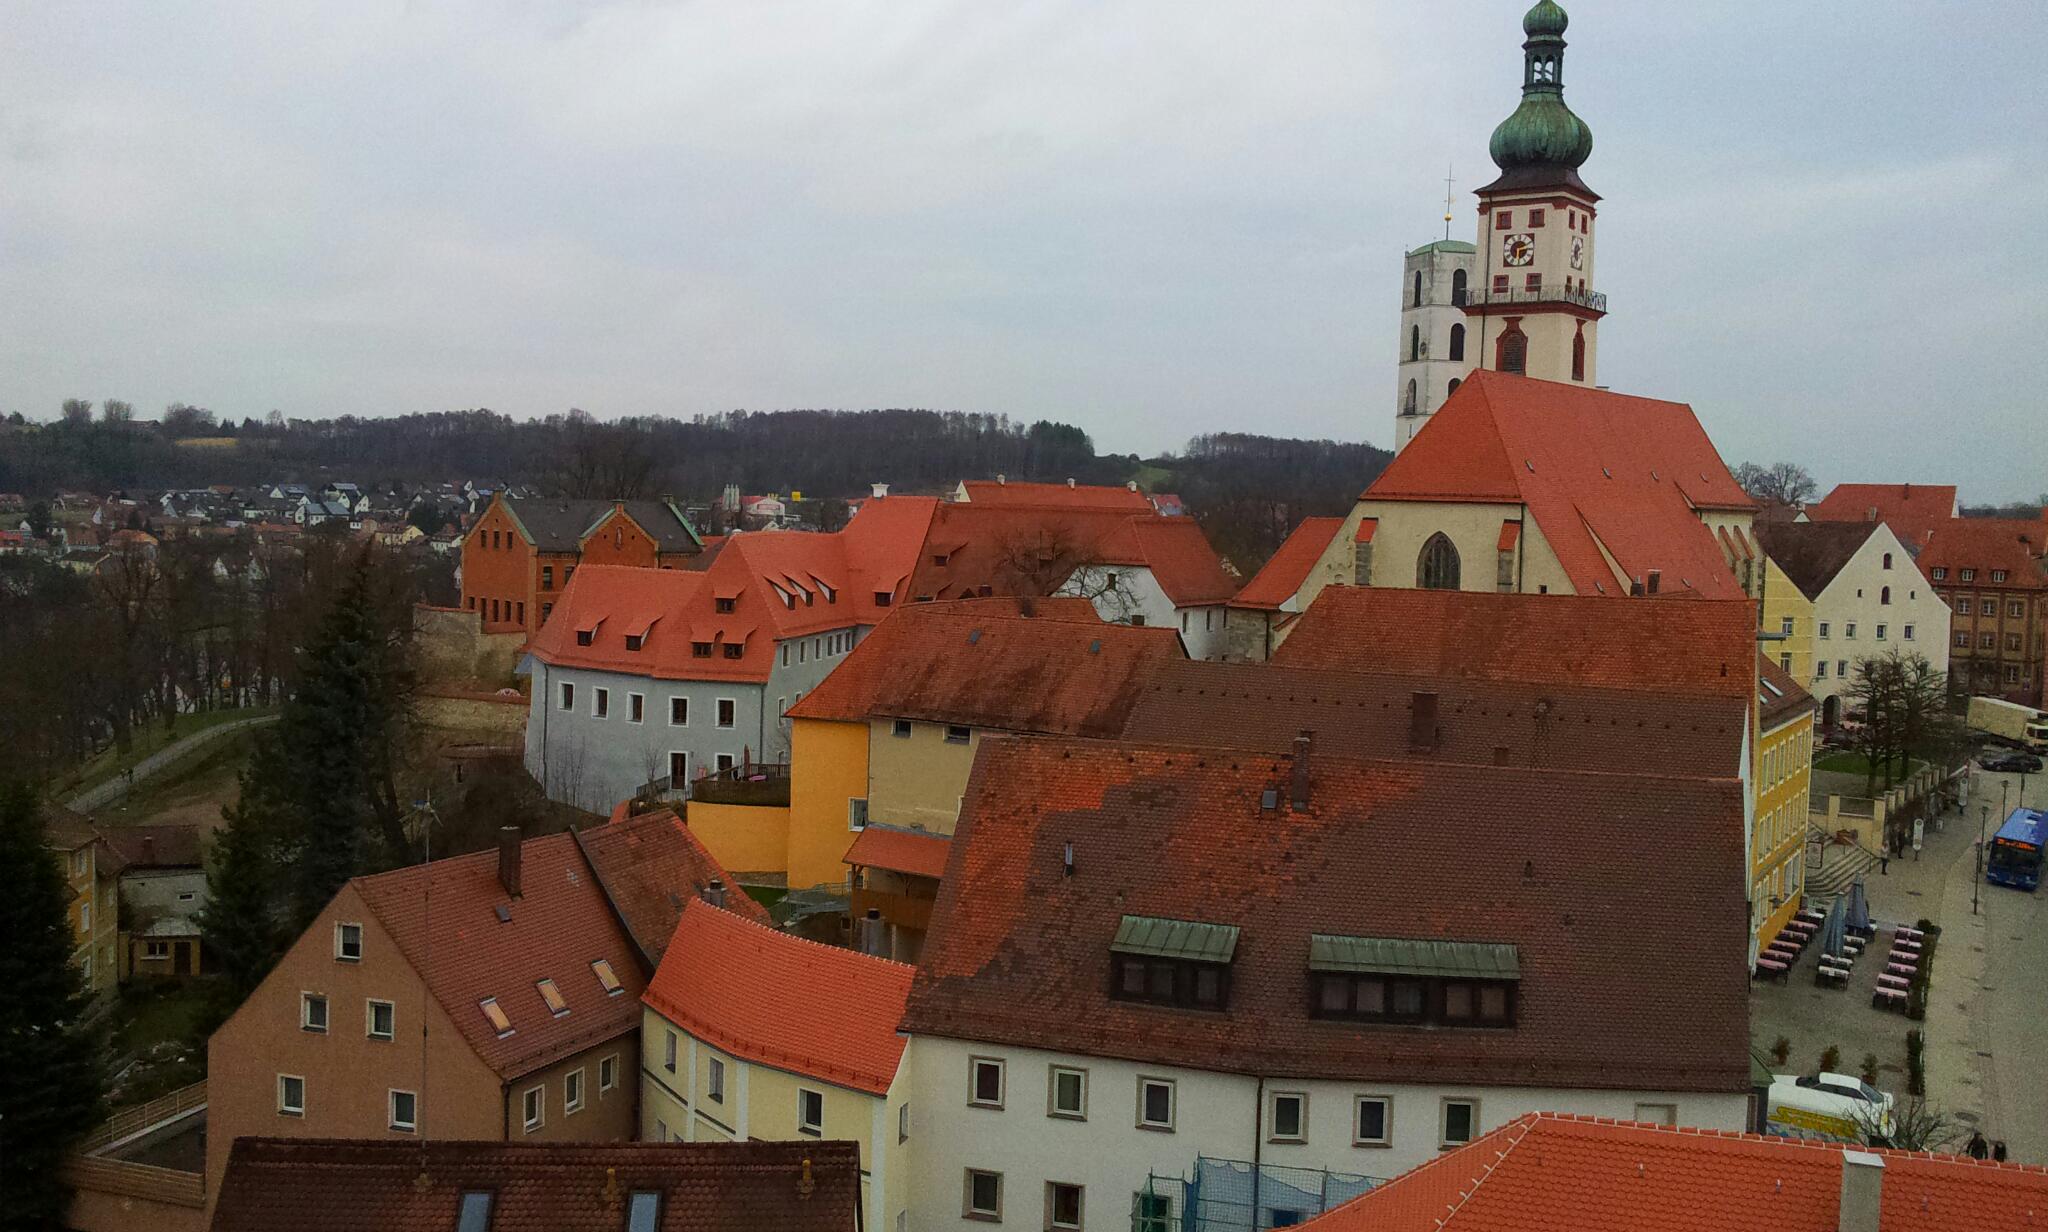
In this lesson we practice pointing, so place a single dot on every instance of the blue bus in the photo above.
(2015, 856)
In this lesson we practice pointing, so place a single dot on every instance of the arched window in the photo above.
(1455, 382)
(1415, 297)
(1511, 353)
(1579, 354)
(1408, 400)
(1458, 288)
(1887, 560)
(1414, 342)
(1457, 342)
(1885, 595)
(1437, 567)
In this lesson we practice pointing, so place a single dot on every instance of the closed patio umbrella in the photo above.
(1859, 910)
(1834, 928)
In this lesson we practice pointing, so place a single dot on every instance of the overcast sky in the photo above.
(1821, 225)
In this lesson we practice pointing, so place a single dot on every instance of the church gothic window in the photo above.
(1455, 382)
(1458, 288)
(1415, 299)
(1408, 400)
(1511, 353)
(1414, 342)
(1579, 353)
(1457, 342)
(1437, 568)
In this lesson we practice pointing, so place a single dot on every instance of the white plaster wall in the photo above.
(1856, 594)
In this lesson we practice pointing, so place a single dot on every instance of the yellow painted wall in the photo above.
(918, 779)
(743, 838)
(1777, 846)
(828, 767)
(1783, 601)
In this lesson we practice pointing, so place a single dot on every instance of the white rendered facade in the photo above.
(1434, 344)
(1876, 603)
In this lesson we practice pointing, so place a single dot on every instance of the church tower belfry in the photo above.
(1531, 307)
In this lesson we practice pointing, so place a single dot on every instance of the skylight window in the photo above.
(607, 977)
(644, 1214)
(475, 1213)
(496, 1016)
(553, 996)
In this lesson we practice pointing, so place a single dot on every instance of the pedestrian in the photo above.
(1978, 1148)
(1998, 1150)
(1884, 863)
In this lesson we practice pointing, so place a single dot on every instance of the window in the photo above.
(668, 1051)
(810, 1112)
(1373, 997)
(900, 729)
(380, 1020)
(725, 603)
(1985, 641)
(607, 1073)
(1968, 575)
(547, 577)
(678, 712)
(1373, 1123)
(1965, 607)
(903, 1122)
(156, 949)
(313, 1012)
(1414, 347)
(1460, 1122)
(1785, 625)
(1154, 1213)
(724, 762)
(1666, 1114)
(643, 1211)
(856, 813)
(1415, 295)
(1437, 567)
(1579, 353)
(1533, 281)
(585, 637)
(984, 1195)
(1066, 1093)
(1881, 632)
(533, 1107)
(727, 708)
(957, 734)
(1458, 288)
(1907, 632)
(700, 650)
(1785, 662)
(2015, 608)
(660, 1130)
(1535, 218)
(1998, 575)
(475, 1213)
(553, 996)
(572, 1091)
(678, 768)
(2012, 641)
(291, 1095)
(348, 942)
(1511, 352)
(714, 1080)
(404, 1111)
(984, 1082)
(1288, 1119)
(1940, 575)
(1820, 670)
(1457, 342)
(1842, 668)
(607, 978)
(1962, 641)
(568, 696)
(1823, 628)
(636, 707)
(1849, 629)
(1155, 1103)
(1887, 564)
(1062, 1205)
(1500, 284)
(1183, 982)
(882, 598)
(1884, 595)
(495, 1015)
(601, 703)
(2012, 675)
(1503, 220)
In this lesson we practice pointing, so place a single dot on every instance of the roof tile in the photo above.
(1283, 575)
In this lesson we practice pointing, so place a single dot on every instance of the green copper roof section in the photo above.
(1473, 960)
(1157, 938)
(1443, 246)
(1543, 132)
(1545, 19)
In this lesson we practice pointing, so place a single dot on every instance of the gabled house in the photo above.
(1068, 495)
(161, 876)
(1992, 575)
(519, 555)
(1260, 613)
(1912, 510)
(92, 909)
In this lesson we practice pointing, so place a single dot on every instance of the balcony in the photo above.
(758, 783)
(1486, 298)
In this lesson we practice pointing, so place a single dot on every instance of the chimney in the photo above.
(1422, 723)
(1070, 481)
(881, 490)
(508, 859)
(1635, 586)
(1303, 743)
(714, 893)
(149, 850)
(1656, 576)
(1001, 479)
(1132, 484)
(1862, 1191)
(871, 932)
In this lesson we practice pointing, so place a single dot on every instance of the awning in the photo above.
(1477, 960)
(1158, 938)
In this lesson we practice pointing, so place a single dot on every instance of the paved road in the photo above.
(2009, 1013)
(121, 784)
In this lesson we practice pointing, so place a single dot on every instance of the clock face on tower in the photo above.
(1517, 249)
(1578, 252)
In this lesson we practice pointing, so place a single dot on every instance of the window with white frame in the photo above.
(903, 1122)
(568, 695)
(985, 1082)
(291, 1095)
(404, 1110)
(714, 1080)
(636, 707)
(1459, 1122)
(348, 942)
(1372, 1121)
(983, 1199)
(1063, 1201)
(810, 1112)
(607, 1073)
(668, 1051)
(856, 813)
(1066, 1093)
(533, 1108)
(728, 709)
(313, 1012)
(572, 1090)
(380, 1020)
(1287, 1116)
(678, 712)
(600, 703)
(1823, 626)
(1155, 1103)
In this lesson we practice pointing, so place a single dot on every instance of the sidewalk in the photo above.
(120, 785)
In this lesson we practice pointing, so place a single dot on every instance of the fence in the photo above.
(131, 1121)
(1228, 1195)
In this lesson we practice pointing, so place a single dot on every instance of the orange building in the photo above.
(518, 557)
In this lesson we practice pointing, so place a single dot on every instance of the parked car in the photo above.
(2011, 763)
(1825, 1105)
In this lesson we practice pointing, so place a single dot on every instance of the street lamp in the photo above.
(1976, 883)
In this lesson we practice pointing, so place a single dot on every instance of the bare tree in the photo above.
(1916, 1126)
(1055, 558)
(1780, 483)
(77, 411)
(115, 411)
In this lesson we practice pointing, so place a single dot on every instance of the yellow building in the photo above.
(1788, 621)
(748, 1033)
(1782, 779)
(93, 909)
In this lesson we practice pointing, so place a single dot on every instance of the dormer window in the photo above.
(585, 637)
(1969, 575)
(1180, 963)
(1940, 574)
(635, 641)
(553, 996)
(734, 650)
(700, 650)
(1998, 575)
(725, 605)
(1400, 981)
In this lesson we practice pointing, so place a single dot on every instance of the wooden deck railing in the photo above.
(142, 1116)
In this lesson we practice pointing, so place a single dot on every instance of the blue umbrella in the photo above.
(1859, 910)
(1833, 929)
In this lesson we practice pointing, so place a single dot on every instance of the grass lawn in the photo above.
(189, 792)
(151, 739)
(157, 1027)
(1848, 761)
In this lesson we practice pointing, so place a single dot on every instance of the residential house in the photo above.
(1991, 573)
(1556, 1172)
(1258, 616)
(1912, 510)
(650, 675)
(1537, 487)
(1868, 598)
(1783, 790)
(491, 996)
(1068, 495)
(888, 739)
(318, 510)
(519, 555)
(162, 889)
(1788, 619)
(352, 1185)
(92, 909)
(651, 866)
(751, 1034)
(1144, 956)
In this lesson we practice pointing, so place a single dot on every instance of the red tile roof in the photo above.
(315, 1185)
(977, 663)
(901, 851)
(1778, 696)
(650, 866)
(1025, 549)
(1597, 470)
(1986, 544)
(1553, 1172)
(1912, 510)
(442, 916)
(1181, 560)
(167, 846)
(768, 997)
(1283, 575)
(1692, 648)
(1619, 990)
(1056, 495)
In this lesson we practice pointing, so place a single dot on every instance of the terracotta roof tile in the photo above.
(314, 1185)
(1702, 648)
(1986, 544)
(1778, 696)
(1912, 510)
(760, 995)
(1025, 549)
(1619, 989)
(1597, 470)
(650, 866)
(1056, 495)
(1552, 1172)
(977, 662)
(165, 846)
(901, 851)
(1282, 576)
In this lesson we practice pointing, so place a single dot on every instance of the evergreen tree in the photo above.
(53, 1083)
(240, 920)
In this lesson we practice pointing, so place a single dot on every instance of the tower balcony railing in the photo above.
(1481, 297)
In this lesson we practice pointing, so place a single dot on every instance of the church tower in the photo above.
(1531, 307)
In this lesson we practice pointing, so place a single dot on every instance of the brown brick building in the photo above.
(518, 557)
(1990, 573)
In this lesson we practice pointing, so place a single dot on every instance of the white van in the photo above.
(1835, 1106)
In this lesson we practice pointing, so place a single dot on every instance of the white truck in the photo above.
(2012, 723)
(1833, 1107)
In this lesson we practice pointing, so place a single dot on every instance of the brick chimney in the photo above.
(714, 893)
(1303, 743)
(1656, 578)
(1422, 726)
(1862, 1191)
(508, 859)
